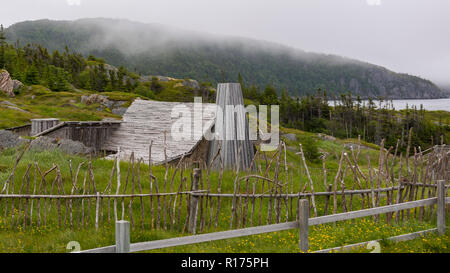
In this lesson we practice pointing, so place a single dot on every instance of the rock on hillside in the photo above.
(9, 139)
(189, 83)
(65, 145)
(7, 84)
(116, 107)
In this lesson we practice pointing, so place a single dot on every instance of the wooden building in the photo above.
(148, 122)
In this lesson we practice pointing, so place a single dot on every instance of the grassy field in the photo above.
(40, 102)
(51, 239)
(54, 239)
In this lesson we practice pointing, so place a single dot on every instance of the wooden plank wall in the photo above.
(41, 125)
(91, 134)
(24, 130)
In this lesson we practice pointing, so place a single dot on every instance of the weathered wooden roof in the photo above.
(146, 121)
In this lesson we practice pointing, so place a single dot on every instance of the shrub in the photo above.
(310, 148)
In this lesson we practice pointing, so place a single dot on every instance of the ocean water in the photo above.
(428, 104)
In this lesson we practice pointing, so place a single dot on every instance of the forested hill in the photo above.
(152, 49)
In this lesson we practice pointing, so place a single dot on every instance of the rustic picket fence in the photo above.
(265, 196)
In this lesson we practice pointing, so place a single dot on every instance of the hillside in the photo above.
(445, 89)
(152, 49)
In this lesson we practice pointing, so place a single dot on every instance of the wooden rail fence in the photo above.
(197, 202)
(303, 223)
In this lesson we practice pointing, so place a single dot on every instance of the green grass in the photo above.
(54, 239)
(40, 102)
(432, 243)
(438, 116)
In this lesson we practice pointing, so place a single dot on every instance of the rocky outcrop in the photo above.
(11, 105)
(116, 107)
(95, 98)
(191, 84)
(9, 139)
(290, 137)
(8, 85)
(326, 137)
(148, 78)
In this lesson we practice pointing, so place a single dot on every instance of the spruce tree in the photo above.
(2, 48)
(243, 87)
(32, 76)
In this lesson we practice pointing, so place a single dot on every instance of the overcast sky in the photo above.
(411, 36)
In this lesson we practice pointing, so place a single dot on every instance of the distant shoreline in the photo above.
(442, 104)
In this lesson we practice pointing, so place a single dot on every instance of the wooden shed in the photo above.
(146, 121)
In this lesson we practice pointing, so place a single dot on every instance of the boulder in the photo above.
(326, 137)
(95, 98)
(44, 143)
(354, 146)
(8, 85)
(17, 84)
(74, 147)
(114, 106)
(191, 84)
(290, 137)
(9, 139)
(65, 145)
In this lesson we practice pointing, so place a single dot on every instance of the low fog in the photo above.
(409, 36)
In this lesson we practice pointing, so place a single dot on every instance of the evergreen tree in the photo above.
(32, 76)
(269, 97)
(243, 87)
(156, 86)
(2, 48)
(253, 93)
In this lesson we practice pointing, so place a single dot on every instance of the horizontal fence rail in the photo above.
(395, 239)
(370, 212)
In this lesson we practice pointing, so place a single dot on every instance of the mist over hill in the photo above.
(153, 49)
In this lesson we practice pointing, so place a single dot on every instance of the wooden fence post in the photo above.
(122, 236)
(441, 193)
(194, 203)
(303, 224)
(96, 210)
